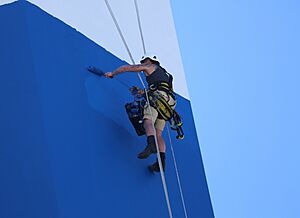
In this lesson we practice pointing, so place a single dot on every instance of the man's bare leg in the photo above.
(160, 140)
(148, 125)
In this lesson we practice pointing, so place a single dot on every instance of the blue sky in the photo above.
(242, 62)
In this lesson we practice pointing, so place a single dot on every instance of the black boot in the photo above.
(150, 148)
(155, 167)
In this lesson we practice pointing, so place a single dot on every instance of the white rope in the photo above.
(119, 30)
(171, 144)
(123, 38)
(162, 174)
(177, 174)
(140, 26)
(156, 142)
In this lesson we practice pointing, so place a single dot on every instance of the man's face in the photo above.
(146, 61)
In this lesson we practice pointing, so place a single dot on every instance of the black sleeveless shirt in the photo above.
(158, 76)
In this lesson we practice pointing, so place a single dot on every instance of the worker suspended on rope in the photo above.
(160, 92)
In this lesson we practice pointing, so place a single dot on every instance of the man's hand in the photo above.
(109, 75)
(136, 90)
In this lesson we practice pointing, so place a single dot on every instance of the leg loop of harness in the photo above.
(166, 111)
(158, 101)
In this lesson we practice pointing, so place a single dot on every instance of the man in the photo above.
(159, 82)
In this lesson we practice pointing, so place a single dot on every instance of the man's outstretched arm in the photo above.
(127, 68)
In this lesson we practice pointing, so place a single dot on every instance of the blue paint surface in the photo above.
(67, 148)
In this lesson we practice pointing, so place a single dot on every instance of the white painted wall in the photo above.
(2, 2)
(92, 18)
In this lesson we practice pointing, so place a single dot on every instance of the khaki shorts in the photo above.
(151, 113)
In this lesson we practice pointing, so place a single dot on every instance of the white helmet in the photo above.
(152, 57)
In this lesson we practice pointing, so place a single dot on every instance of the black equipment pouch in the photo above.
(135, 112)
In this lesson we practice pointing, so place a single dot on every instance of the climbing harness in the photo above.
(135, 111)
(158, 101)
(165, 110)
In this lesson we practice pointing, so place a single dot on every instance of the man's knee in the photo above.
(147, 122)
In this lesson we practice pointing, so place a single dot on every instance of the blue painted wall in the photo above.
(67, 148)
